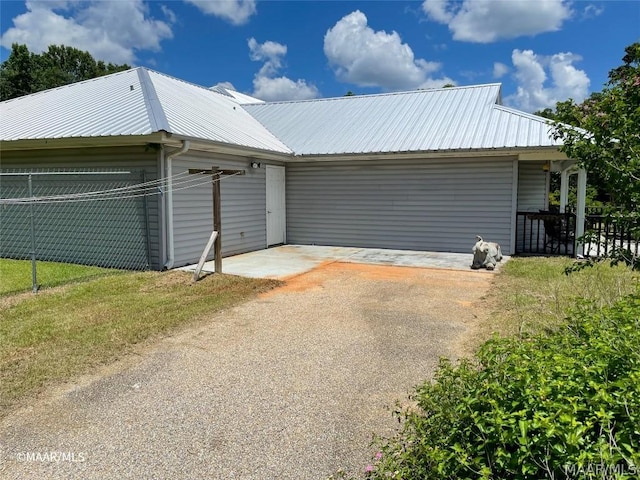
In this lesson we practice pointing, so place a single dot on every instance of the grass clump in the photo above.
(560, 405)
(61, 333)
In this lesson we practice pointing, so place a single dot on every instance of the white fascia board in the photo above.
(507, 153)
(83, 142)
(550, 153)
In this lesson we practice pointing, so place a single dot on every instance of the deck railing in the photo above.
(545, 233)
(548, 233)
(604, 234)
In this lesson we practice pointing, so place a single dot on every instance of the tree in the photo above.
(597, 194)
(607, 142)
(546, 113)
(17, 73)
(25, 72)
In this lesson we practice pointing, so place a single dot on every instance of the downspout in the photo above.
(169, 202)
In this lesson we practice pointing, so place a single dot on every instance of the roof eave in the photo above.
(81, 142)
(199, 144)
(542, 153)
(128, 140)
(521, 153)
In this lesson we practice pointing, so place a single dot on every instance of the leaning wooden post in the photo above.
(217, 219)
(216, 174)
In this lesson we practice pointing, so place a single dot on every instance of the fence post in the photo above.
(34, 277)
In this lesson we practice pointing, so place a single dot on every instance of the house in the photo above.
(418, 170)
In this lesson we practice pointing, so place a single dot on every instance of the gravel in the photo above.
(290, 385)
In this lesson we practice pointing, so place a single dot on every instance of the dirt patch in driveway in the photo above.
(291, 385)
(457, 295)
(438, 277)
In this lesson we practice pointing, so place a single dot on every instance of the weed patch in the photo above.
(533, 295)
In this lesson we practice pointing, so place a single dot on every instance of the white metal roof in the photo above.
(134, 102)
(141, 102)
(241, 98)
(447, 119)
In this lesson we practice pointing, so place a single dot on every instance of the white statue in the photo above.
(485, 254)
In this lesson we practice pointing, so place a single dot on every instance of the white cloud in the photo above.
(592, 11)
(536, 91)
(227, 85)
(283, 88)
(499, 70)
(364, 57)
(236, 12)
(485, 21)
(438, 10)
(270, 52)
(110, 31)
(171, 16)
(269, 87)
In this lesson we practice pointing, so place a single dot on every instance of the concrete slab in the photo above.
(290, 260)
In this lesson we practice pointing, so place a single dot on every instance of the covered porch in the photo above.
(556, 231)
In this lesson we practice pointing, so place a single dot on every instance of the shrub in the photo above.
(561, 405)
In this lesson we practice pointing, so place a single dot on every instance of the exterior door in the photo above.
(276, 207)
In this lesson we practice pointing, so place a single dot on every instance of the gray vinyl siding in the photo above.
(531, 198)
(63, 239)
(423, 204)
(243, 208)
(531, 186)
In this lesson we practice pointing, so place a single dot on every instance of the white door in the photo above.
(276, 216)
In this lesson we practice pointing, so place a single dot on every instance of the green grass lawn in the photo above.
(64, 332)
(16, 275)
(532, 294)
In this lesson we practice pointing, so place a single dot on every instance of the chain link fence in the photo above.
(53, 224)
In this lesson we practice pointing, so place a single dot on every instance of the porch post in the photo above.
(564, 189)
(580, 209)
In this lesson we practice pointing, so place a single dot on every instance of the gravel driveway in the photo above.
(290, 385)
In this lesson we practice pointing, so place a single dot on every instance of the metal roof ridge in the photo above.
(531, 116)
(384, 94)
(155, 110)
(176, 79)
(291, 150)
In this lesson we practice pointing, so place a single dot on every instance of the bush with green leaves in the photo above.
(564, 405)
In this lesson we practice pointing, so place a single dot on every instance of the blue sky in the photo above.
(542, 51)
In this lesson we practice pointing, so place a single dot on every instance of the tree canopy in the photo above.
(606, 143)
(607, 140)
(25, 72)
